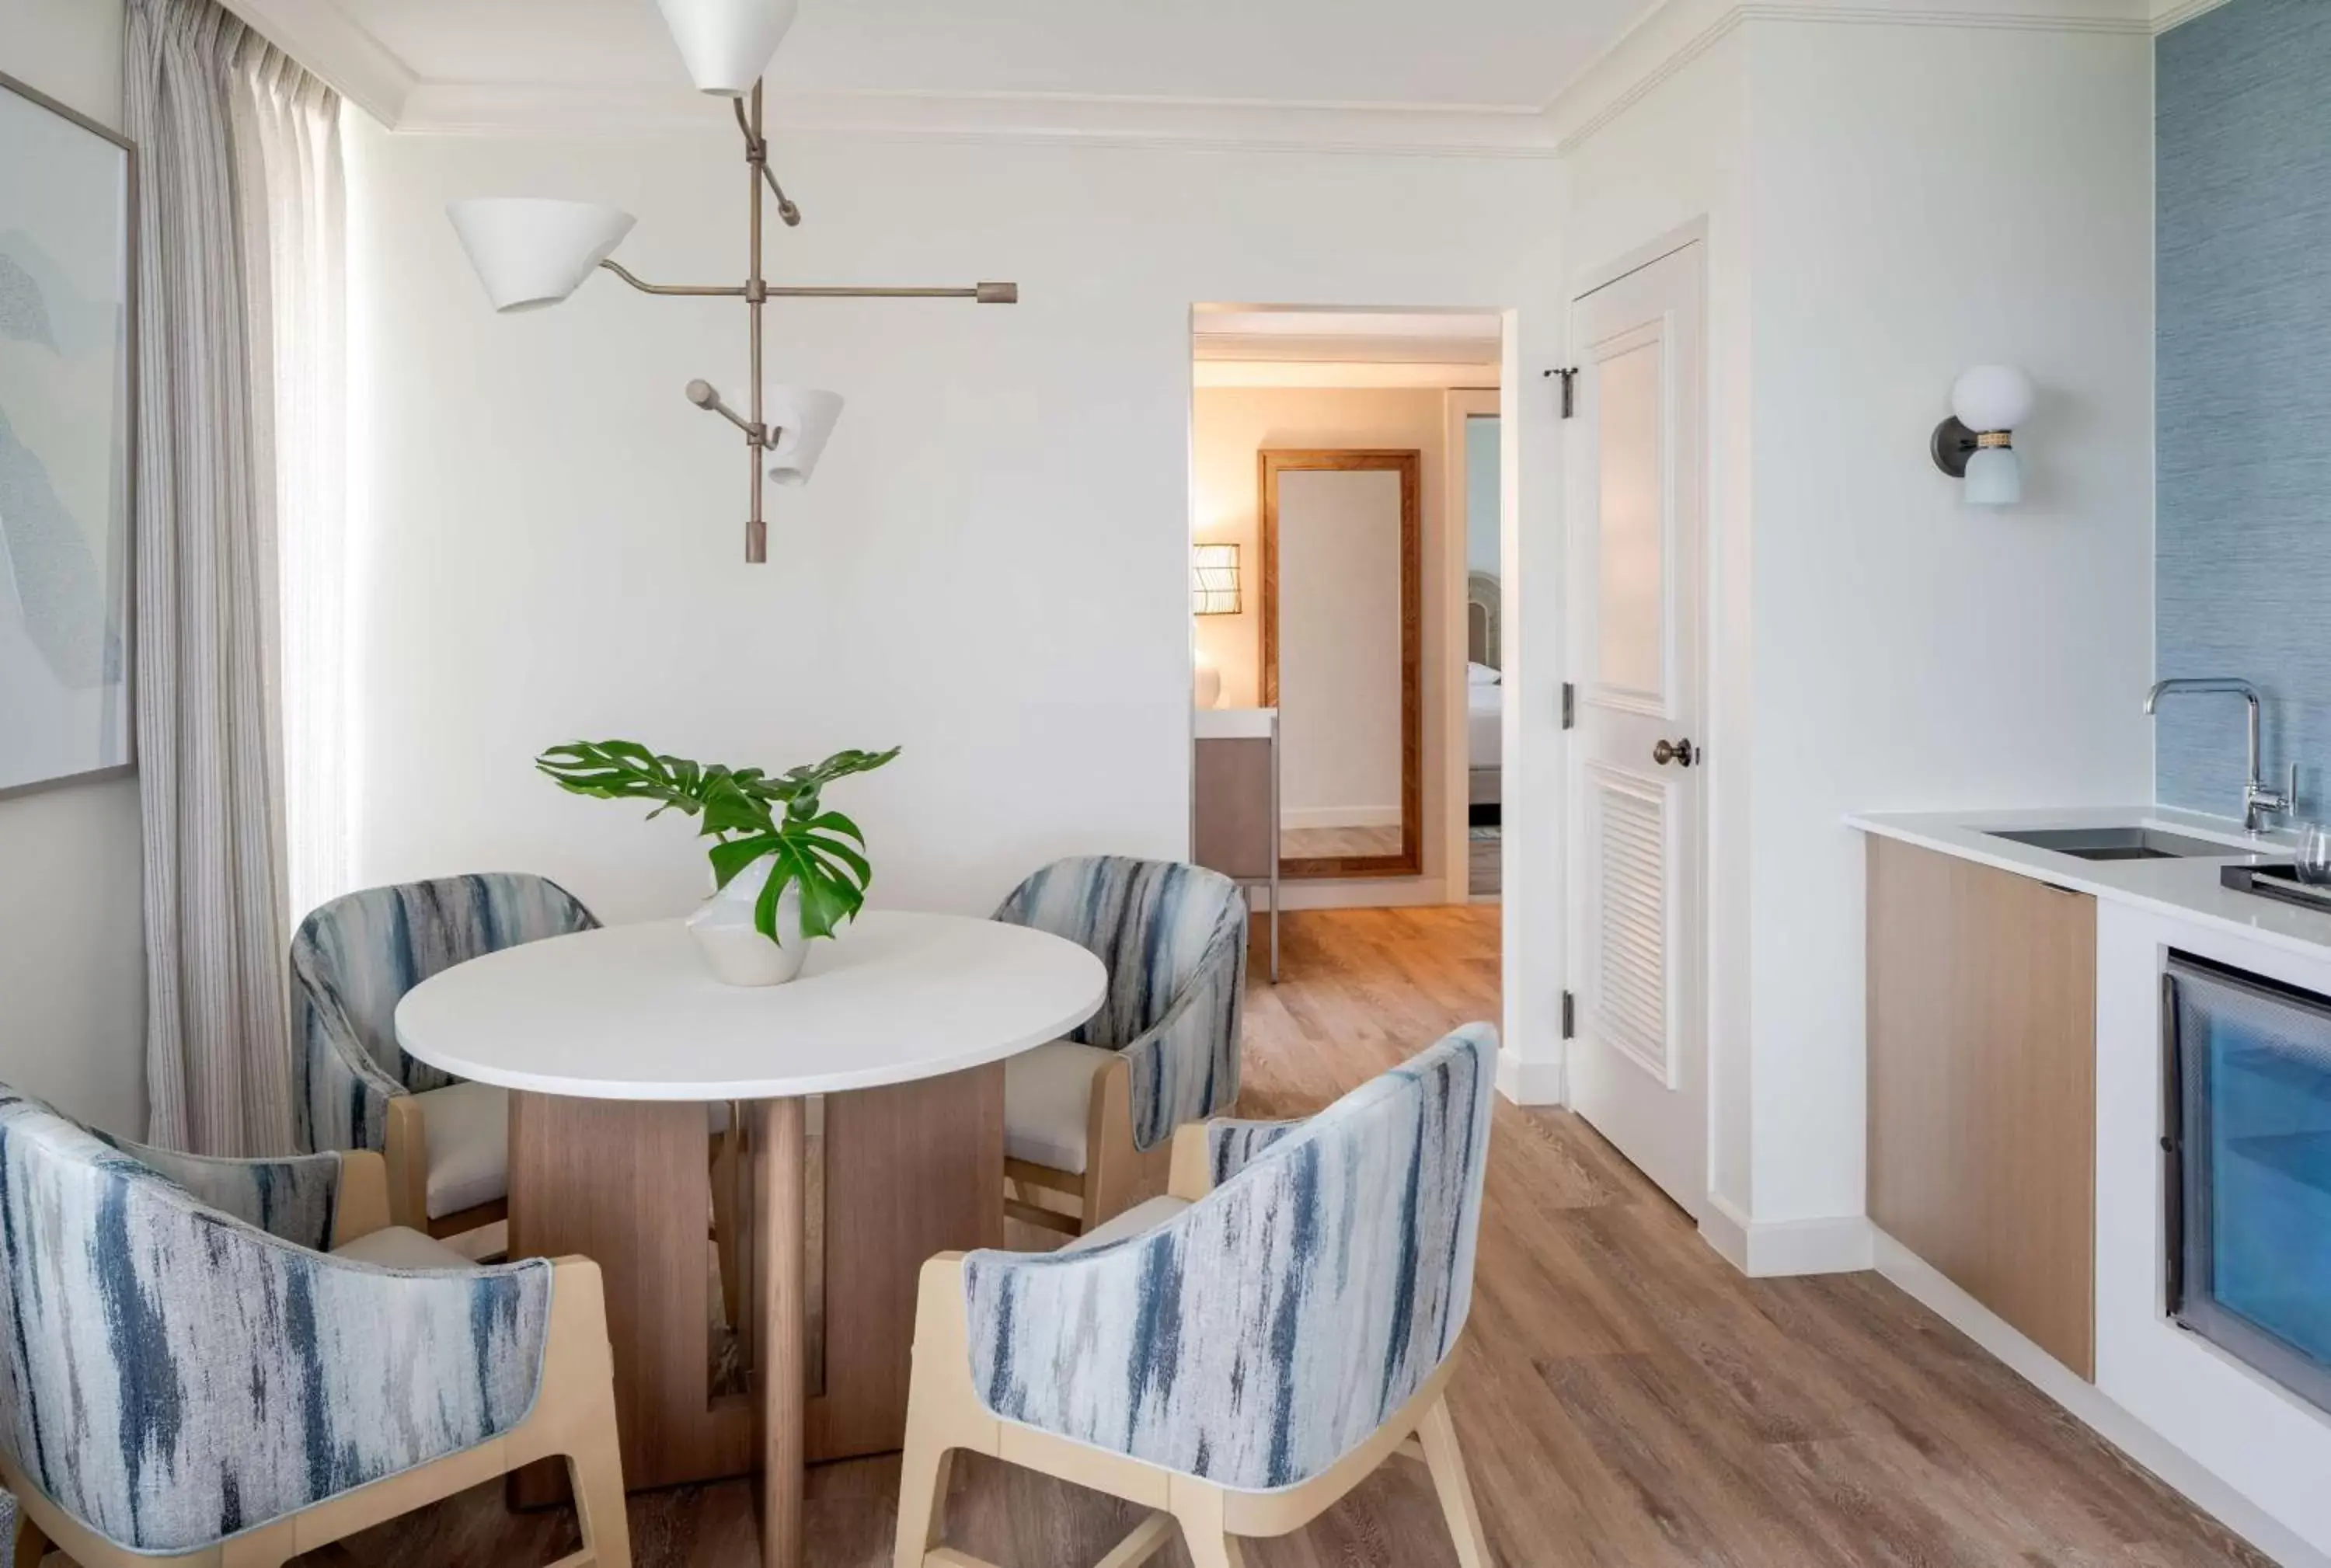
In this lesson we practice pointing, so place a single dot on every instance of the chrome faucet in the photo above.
(2257, 799)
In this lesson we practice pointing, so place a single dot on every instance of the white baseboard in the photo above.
(1924, 1284)
(1830, 1245)
(1528, 1081)
(1339, 816)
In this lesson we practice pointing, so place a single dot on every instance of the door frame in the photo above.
(1576, 916)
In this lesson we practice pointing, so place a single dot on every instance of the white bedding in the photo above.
(1485, 725)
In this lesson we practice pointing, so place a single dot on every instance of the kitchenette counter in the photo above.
(2184, 887)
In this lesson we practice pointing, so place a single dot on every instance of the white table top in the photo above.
(633, 1012)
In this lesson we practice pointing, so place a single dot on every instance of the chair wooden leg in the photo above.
(923, 1472)
(1198, 1509)
(31, 1544)
(1213, 1550)
(595, 1469)
(1438, 1433)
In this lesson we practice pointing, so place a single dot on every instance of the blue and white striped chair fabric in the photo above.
(1173, 938)
(352, 962)
(1266, 1330)
(180, 1364)
(354, 959)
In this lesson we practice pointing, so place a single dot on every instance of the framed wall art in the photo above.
(68, 439)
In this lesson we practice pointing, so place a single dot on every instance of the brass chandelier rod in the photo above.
(757, 291)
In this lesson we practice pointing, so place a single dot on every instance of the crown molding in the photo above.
(1681, 30)
(2169, 14)
(449, 108)
(333, 44)
(330, 42)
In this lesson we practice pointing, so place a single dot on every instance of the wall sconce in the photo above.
(1213, 579)
(1976, 444)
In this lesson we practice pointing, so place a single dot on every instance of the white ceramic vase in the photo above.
(734, 946)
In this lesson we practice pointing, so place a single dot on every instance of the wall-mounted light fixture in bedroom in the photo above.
(531, 252)
(1976, 443)
(1214, 579)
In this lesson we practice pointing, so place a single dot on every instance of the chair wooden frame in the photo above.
(573, 1418)
(1116, 1177)
(944, 1414)
(405, 1144)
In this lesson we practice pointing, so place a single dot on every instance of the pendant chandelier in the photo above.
(529, 252)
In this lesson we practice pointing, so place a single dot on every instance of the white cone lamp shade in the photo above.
(803, 417)
(727, 43)
(530, 251)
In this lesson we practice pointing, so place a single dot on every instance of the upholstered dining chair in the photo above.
(1089, 1118)
(446, 1140)
(1236, 1356)
(189, 1377)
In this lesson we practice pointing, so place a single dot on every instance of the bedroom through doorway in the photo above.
(1347, 491)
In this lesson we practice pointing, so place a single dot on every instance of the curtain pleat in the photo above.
(210, 719)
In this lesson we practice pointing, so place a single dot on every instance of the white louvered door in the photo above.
(1639, 1060)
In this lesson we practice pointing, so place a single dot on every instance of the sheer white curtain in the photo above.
(294, 196)
(238, 385)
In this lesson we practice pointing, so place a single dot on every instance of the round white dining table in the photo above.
(613, 1040)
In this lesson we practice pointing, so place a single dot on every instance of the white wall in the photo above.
(1912, 652)
(991, 567)
(1877, 645)
(72, 971)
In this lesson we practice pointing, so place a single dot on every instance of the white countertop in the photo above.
(2187, 889)
(633, 1012)
(1233, 723)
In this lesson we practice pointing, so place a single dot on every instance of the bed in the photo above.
(1485, 698)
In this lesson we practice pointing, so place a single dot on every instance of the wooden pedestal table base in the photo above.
(614, 1040)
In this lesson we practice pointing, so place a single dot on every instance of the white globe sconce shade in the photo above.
(726, 45)
(1976, 444)
(530, 251)
(801, 419)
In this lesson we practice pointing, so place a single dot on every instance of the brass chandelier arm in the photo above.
(986, 293)
(756, 152)
(712, 291)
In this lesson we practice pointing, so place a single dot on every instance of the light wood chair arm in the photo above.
(361, 1205)
(1192, 1174)
(405, 1146)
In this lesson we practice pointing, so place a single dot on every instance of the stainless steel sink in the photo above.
(2132, 843)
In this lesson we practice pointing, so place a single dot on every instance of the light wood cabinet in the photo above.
(1983, 1009)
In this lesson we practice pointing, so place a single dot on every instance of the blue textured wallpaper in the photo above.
(2242, 547)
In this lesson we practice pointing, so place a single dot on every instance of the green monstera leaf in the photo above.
(749, 813)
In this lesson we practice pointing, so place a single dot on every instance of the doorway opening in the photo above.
(1346, 621)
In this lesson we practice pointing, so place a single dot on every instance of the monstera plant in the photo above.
(750, 816)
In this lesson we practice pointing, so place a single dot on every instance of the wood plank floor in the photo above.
(1627, 1398)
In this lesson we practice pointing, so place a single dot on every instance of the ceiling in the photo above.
(1474, 54)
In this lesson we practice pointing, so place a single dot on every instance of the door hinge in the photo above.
(1569, 706)
(1569, 1016)
(1569, 390)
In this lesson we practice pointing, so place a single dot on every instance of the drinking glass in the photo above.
(2314, 856)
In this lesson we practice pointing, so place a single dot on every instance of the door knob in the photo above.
(1679, 752)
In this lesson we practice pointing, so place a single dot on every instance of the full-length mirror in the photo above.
(1341, 641)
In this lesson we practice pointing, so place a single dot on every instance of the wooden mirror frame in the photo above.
(1409, 465)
